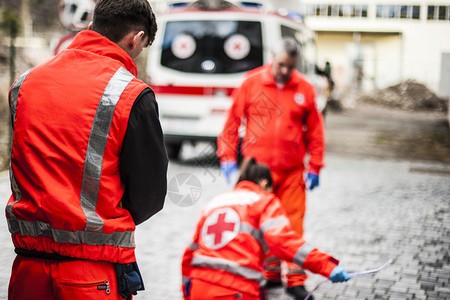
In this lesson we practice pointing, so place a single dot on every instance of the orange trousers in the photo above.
(290, 188)
(39, 279)
(202, 290)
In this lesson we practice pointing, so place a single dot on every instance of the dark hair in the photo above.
(254, 172)
(116, 18)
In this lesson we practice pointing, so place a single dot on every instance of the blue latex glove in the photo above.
(312, 181)
(339, 275)
(228, 168)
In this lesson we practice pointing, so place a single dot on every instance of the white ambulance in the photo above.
(201, 53)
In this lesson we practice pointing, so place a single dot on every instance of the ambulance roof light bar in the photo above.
(178, 4)
(216, 4)
(212, 4)
(251, 4)
(266, 5)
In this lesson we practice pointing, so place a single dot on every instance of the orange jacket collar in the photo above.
(94, 42)
(248, 185)
(268, 79)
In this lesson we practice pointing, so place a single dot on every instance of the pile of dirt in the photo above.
(407, 95)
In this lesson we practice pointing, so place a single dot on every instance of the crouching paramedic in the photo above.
(88, 162)
(235, 230)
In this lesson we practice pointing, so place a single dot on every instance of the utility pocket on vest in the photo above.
(79, 290)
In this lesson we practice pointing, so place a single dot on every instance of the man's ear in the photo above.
(138, 36)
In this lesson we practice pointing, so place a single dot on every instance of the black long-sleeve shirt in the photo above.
(143, 160)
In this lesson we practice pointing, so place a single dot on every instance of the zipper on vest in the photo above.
(104, 286)
(101, 285)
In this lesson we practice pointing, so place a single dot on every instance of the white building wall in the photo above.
(394, 49)
(423, 50)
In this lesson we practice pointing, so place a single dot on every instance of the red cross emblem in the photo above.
(220, 228)
(237, 46)
(183, 46)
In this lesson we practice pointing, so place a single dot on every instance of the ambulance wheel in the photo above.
(173, 150)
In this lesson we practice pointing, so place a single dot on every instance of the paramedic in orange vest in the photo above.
(88, 162)
(282, 124)
(235, 230)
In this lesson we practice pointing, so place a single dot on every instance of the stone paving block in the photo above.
(398, 296)
(417, 291)
(444, 295)
(443, 282)
(350, 293)
(365, 294)
(427, 286)
(443, 273)
(398, 289)
(408, 281)
(410, 271)
(359, 284)
(380, 290)
(443, 289)
(336, 288)
(384, 283)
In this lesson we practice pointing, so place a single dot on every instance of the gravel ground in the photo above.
(370, 130)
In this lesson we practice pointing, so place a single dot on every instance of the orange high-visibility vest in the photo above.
(70, 116)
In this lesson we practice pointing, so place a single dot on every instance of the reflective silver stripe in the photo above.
(12, 220)
(223, 264)
(96, 147)
(274, 223)
(27, 228)
(255, 233)
(14, 186)
(271, 259)
(193, 246)
(185, 280)
(14, 95)
(302, 253)
(291, 271)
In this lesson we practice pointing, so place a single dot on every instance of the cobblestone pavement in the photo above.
(365, 212)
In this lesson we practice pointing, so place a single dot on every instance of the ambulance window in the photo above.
(210, 46)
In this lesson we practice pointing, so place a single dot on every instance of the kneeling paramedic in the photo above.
(235, 230)
(88, 162)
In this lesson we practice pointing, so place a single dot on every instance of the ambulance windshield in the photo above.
(210, 46)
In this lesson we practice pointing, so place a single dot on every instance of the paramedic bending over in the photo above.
(225, 258)
(282, 124)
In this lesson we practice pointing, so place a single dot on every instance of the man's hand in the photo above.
(339, 275)
(312, 181)
(228, 168)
